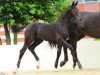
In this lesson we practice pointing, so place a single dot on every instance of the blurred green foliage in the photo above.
(20, 12)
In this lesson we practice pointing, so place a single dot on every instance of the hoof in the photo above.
(74, 66)
(62, 63)
(18, 64)
(80, 67)
(14, 72)
(38, 65)
(56, 70)
(56, 65)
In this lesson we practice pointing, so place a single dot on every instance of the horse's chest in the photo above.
(63, 32)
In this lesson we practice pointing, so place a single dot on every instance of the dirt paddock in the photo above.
(88, 53)
(58, 72)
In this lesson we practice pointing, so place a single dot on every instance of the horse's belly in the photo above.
(91, 29)
(93, 33)
(46, 35)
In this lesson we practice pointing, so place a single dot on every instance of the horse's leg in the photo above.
(62, 63)
(74, 44)
(22, 51)
(66, 45)
(32, 47)
(28, 40)
(58, 55)
(66, 56)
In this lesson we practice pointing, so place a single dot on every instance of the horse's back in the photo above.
(91, 23)
(90, 15)
(38, 24)
(42, 30)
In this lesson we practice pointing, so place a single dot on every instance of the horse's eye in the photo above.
(73, 12)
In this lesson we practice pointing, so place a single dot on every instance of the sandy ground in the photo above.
(88, 54)
(59, 72)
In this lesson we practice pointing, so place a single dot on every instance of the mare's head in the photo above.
(71, 13)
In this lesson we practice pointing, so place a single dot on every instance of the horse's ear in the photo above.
(76, 3)
(73, 4)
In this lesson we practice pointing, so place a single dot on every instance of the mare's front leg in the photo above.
(58, 55)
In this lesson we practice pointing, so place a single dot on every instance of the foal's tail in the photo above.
(52, 45)
(16, 29)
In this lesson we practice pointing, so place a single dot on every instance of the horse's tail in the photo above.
(52, 44)
(16, 29)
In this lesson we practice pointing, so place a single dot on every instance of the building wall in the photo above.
(90, 7)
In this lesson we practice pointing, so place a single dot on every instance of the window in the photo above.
(90, 0)
(80, 0)
(85, 0)
(77, 0)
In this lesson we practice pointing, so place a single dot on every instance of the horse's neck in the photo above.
(65, 23)
(62, 27)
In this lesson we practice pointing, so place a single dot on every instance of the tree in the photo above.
(21, 12)
(0, 41)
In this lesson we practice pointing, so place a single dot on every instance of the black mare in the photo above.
(57, 33)
(89, 25)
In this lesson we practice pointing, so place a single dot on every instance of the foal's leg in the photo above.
(74, 44)
(62, 63)
(29, 38)
(22, 51)
(58, 55)
(32, 47)
(66, 56)
(66, 45)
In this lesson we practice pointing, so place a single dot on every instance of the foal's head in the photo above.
(74, 12)
(71, 13)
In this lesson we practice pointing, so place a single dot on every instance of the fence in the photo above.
(3, 38)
